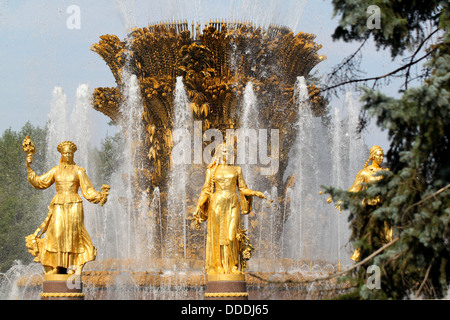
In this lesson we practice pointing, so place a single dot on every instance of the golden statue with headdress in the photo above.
(363, 177)
(227, 245)
(66, 246)
(367, 175)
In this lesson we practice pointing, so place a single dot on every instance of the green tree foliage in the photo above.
(404, 23)
(416, 192)
(21, 206)
(109, 157)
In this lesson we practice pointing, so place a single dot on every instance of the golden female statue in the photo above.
(66, 246)
(367, 175)
(227, 247)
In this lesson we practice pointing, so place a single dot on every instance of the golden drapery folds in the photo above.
(227, 245)
(66, 244)
(368, 175)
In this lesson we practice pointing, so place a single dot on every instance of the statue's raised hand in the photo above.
(197, 218)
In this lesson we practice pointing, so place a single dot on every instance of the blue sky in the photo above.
(39, 52)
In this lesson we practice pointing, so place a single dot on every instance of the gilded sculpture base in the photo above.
(226, 287)
(62, 287)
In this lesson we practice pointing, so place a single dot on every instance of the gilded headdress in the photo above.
(372, 152)
(67, 145)
(375, 149)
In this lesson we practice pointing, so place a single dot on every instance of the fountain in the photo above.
(233, 80)
(223, 69)
(173, 78)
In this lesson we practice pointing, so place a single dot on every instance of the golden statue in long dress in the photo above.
(367, 175)
(227, 245)
(66, 246)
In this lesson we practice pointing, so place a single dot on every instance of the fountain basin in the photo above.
(292, 283)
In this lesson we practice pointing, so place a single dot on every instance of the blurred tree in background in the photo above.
(22, 208)
(109, 157)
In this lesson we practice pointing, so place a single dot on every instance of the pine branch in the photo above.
(347, 61)
(415, 53)
(428, 197)
(424, 280)
(379, 77)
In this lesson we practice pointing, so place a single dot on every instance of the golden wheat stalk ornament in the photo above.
(28, 147)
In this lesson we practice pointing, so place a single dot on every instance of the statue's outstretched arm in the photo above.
(88, 190)
(40, 182)
(243, 189)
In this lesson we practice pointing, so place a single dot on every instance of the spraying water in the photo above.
(178, 177)
(80, 129)
(357, 149)
(58, 125)
(320, 232)
(300, 224)
(261, 12)
(126, 202)
(249, 121)
(337, 152)
(75, 127)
